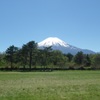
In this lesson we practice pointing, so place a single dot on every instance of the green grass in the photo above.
(57, 85)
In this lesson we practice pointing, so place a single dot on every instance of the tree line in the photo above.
(30, 57)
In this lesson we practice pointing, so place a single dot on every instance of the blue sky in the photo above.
(77, 22)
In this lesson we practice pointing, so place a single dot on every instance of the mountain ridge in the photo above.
(58, 44)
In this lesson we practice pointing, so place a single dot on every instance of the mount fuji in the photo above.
(58, 44)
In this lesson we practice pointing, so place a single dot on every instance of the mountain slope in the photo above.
(53, 41)
(58, 44)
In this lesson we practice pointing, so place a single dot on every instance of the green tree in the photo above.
(41, 58)
(87, 60)
(10, 54)
(32, 47)
(44, 56)
(79, 57)
(96, 61)
(58, 58)
(47, 54)
(23, 55)
(70, 56)
(2, 61)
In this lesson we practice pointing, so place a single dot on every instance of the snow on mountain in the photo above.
(53, 41)
(58, 44)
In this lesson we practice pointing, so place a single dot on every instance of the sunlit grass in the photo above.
(57, 85)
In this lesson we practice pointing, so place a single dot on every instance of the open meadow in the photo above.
(56, 85)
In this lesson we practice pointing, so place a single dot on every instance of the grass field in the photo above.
(57, 85)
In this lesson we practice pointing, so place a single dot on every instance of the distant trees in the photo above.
(30, 56)
(2, 59)
(96, 61)
(87, 60)
(82, 59)
(23, 56)
(79, 57)
(59, 59)
(70, 56)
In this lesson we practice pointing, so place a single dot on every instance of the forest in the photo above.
(30, 58)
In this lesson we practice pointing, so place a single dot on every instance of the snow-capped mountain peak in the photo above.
(58, 44)
(53, 41)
